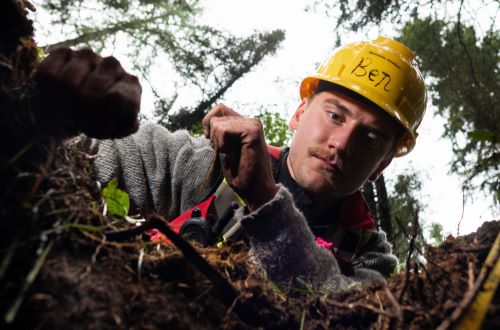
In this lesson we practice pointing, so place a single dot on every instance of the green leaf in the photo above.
(483, 136)
(117, 200)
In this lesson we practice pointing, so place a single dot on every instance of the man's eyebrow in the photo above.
(342, 107)
(337, 104)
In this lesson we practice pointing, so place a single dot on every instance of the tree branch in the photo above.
(466, 50)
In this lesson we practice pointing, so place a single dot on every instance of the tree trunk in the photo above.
(383, 208)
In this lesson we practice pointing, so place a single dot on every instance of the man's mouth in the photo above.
(329, 166)
(328, 161)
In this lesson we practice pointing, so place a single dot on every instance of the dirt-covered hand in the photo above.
(246, 164)
(81, 91)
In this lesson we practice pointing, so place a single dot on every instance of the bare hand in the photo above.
(89, 93)
(247, 165)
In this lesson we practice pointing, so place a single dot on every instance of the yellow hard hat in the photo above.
(384, 72)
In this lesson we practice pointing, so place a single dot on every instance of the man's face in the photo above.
(338, 144)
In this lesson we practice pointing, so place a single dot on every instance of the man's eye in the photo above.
(373, 139)
(334, 116)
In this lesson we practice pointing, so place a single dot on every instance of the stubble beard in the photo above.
(321, 184)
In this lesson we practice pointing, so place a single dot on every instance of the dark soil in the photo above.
(59, 270)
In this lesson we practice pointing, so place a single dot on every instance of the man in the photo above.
(305, 218)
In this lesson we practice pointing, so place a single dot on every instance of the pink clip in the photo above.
(324, 244)
(154, 235)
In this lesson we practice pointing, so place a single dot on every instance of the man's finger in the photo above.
(229, 133)
(107, 72)
(220, 110)
(128, 91)
(126, 96)
(111, 66)
(79, 67)
(54, 63)
(117, 111)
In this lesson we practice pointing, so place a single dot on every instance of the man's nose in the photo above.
(342, 139)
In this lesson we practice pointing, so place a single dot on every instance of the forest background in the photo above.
(252, 56)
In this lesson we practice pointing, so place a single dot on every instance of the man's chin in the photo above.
(316, 184)
(324, 191)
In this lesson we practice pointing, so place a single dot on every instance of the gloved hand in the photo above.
(80, 91)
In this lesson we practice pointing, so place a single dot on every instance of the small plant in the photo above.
(117, 200)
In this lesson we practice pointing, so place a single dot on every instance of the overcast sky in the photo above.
(274, 84)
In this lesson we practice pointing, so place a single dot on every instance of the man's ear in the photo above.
(374, 176)
(294, 122)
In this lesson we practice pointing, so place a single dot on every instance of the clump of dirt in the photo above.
(60, 269)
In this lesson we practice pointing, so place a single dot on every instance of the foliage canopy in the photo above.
(464, 86)
(206, 59)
